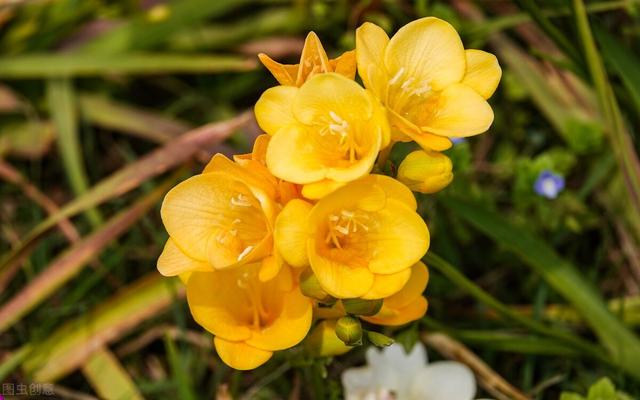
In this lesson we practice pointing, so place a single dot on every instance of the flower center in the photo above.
(405, 92)
(340, 128)
(247, 281)
(344, 224)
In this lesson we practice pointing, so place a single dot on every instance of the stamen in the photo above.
(240, 201)
(244, 253)
(396, 77)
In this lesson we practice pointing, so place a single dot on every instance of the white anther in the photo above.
(240, 200)
(245, 252)
(396, 77)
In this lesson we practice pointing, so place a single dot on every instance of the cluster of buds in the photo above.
(300, 238)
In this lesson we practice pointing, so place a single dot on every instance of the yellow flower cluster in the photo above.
(301, 231)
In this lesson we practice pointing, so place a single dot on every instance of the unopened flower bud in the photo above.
(425, 171)
(310, 287)
(349, 330)
(362, 307)
(323, 341)
(378, 339)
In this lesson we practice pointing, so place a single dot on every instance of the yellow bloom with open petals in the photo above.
(406, 305)
(433, 89)
(323, 134)
(219, 219)
(249, 317)
(313, 60)
(360, 241)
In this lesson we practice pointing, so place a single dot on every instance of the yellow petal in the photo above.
(269, 267)
(459, 111)
(184, 277)
(291, 232)
(427, 50)
(317, 190)
(401, 316)
(313, 59)
(426, 140)
(339, 280)
(387, 285)
(412, 289)
(402, 237)
(259, 152)
(290, 158)
(200, 216)
(289, 328)
(239, 355)
(371, 43)
(483, 72)
(273, 109)
(330, 94)
(345, 64)
(174, 262)
(218, 305)
(393, 189)
(284, 74)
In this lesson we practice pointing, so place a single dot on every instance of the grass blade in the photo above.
(109, 114)
(74, 65)
(70, 263)
(622, 344)
(107, 376)
(62, 105)
(71, 345)
(175, 152)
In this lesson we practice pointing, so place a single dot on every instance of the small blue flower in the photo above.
(457, 140)
(549, 184)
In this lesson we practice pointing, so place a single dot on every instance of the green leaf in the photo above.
(62, 106)
(70, 346)
(67, 65)
(108, 377)
(602, 390)
(623, 61)
(622, 344)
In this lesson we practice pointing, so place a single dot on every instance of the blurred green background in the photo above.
(104, 105)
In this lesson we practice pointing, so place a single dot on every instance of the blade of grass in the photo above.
(621, 142)
(152, 28)
(175, 152)
(71, 345)
(623, 61)
(62, 106)
(108, 378)
(71, 262)
(622, 344)
(79, 65)
(455, 276)
(104, 112)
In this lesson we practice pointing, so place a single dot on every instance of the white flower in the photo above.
(391, 374)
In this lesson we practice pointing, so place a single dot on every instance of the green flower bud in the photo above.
(323, 341)
(349, 330)
(362, 307)
(378, 339)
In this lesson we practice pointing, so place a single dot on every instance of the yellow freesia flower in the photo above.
(249, 317)
(323, 134)
(313, 60)
(432, 87)
(221, 218)
(425, 171)
(360, 240)
(406, 305)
